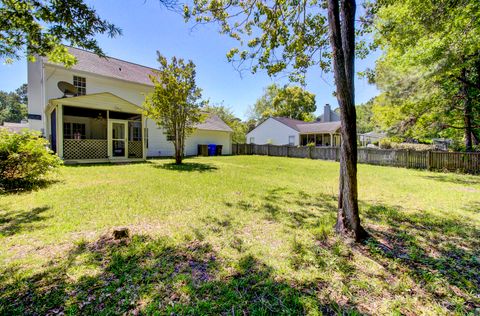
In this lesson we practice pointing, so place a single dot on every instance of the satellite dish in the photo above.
(67, 88)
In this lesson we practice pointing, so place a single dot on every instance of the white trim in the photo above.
(59, 132)
(110, 138)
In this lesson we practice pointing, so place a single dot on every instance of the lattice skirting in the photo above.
(85, 149)
(135, 149)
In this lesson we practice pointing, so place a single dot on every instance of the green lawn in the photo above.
(239, 235)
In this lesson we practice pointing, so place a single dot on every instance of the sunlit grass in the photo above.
(240, 234)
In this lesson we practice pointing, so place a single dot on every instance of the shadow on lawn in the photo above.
(454, 178)
(15, 222)
(432, 248)
(146, 276)
(295, 209)
(26, 187)
(187, 166)
(439, 252)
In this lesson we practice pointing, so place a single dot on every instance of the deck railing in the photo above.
(74, 149)
(430, 160)
(135, 149)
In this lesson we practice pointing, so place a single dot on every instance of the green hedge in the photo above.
(24, 158)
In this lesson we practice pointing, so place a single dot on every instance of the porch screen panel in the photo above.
(135, 149)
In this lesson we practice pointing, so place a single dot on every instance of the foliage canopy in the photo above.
(174, 104)
(38, 28)
(288, 101)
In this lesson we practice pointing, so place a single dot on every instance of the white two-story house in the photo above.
(103, 121)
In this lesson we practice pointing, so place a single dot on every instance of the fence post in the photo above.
(408, 158)
(268, 149)
(288, 149)
(429, 160)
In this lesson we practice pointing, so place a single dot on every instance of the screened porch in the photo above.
(320, 140)
(87, 134)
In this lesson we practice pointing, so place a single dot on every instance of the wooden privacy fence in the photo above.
(430, 160)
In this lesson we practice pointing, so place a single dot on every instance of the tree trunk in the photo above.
(467, 112)
(178, 147)
(342, 40)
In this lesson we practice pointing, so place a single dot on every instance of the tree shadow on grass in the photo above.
(297, 209)
(454, 178)
(154, 276)
(440, 253)
(26, 187)
(438, 250)
(15, 222)
(188, 166)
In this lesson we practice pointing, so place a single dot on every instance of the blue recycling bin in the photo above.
(212, 149)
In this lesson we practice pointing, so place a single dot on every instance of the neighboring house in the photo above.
(104, 120)
(442, 143)
(286, 131)
(371, 138)
(15, 127)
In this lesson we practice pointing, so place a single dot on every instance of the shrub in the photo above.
(388, 143)
(385, 143)
(24, 158)
(411, 146)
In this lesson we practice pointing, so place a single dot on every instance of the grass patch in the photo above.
(239, 235)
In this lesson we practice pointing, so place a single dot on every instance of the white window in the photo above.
(291, 140)
(252, 140)
(81, 84)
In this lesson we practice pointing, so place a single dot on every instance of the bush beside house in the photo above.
(24, 158)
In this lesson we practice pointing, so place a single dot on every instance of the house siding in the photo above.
(272, 132)
(158, 146)
(42, 87)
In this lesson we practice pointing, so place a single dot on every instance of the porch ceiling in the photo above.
(99, 101)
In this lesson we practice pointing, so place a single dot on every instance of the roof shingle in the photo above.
(309, 127)
(214, 123)
(109, 67)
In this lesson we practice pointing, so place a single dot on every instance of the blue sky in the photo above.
(148, 27)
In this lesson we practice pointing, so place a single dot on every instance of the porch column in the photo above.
(60, 130)
(144, 150)
(331, 139)
(109, 136)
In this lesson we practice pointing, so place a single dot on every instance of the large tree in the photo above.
(32, 28)
(293, 36)
(174, 103)
(288, 101)
(13, 105)
(365, 118)
(430, 69)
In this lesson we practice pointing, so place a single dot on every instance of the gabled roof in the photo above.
(99, 101)
(214, 123)
(292, 123)
(309, 127)
(318, 127)
(108, 67)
